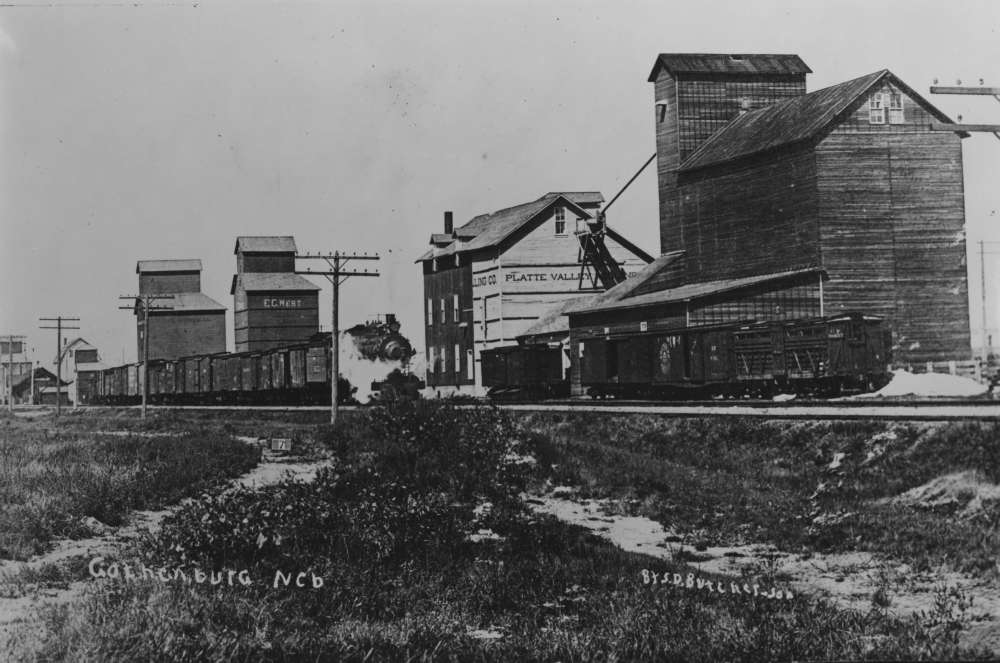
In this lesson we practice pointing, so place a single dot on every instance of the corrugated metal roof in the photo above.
(689, 291)
(265, 244)
(272, 281)
(187, 265)
(729, 63)
(488, 230)
(187, 301)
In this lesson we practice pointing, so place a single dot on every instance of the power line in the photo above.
(336, 275)
(147, 303)
(59, 327)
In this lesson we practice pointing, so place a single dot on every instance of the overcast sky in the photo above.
(167, 129)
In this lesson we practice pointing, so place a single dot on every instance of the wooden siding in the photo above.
(265, 262)
(697, 106)
(160, 283)
(261, 326)
(892, 214)
(174, 335)
(757, 218)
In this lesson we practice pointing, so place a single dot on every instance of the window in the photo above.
(458, 360)
(876, 111)
(442, 311)
(469, 365)
(895, 108)
(432, 359)
(430, 311)
(444, 360)
(560, 214)
(454, 310)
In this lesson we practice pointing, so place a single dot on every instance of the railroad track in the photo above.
(915, 410)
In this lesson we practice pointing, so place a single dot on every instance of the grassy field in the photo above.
(427, 552)
(802, 486)
(53, 478)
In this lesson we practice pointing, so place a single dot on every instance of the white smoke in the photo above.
(361, 371)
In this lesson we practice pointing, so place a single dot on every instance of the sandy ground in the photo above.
(272, 469)
(848, 579)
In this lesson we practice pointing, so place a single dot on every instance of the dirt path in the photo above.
(15, 608)
(848, 579)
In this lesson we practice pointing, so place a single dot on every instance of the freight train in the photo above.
(295, 375)
(820, 356)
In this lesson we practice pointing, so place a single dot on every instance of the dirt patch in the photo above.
(968, 489)
(851, 580)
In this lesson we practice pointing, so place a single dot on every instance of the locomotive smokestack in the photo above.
(449, 225)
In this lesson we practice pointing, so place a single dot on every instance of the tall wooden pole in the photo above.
(10, 374)
(982, 279)
(335, 339)
(145, 354)
(58, 365)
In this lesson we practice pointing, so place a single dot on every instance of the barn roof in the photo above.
(187, 265)
(728, 63)
(265, 244)
(791, 121)
(487, 230)
(684, 293)
(272, 281)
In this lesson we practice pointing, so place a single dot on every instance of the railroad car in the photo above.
(295, 375)
(821, 356)
(524, 372)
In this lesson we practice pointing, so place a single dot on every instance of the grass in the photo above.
(387, 528)
(52, 479)
(732, 481)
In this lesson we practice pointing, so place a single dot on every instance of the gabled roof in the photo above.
(686, 292)
(272, 282)
(728, 63)
(188, 265)
(487, 230)
(265, 244)
(182, 302)
(797, 119)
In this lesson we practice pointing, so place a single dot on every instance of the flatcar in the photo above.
(820, 356)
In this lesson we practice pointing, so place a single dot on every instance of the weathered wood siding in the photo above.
(180, 334)
(694, 108)
(160, 283)
(265, 262)
(262, 324)
(892, 215)
(756, 217)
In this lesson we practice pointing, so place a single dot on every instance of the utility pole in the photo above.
(147, 303)
(336, 275)
(982, 286)
(59, 320)
(11, 339)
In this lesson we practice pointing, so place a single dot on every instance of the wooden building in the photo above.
(491, 279)
(191, 323)
(758, 177)
(81, 362)
(272, 305)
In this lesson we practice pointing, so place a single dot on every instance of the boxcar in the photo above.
(524, 371)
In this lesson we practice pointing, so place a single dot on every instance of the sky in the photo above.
(160, 129)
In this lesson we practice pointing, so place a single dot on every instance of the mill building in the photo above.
(492, 278)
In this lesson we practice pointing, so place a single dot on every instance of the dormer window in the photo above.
(560, 216)
(876, 108)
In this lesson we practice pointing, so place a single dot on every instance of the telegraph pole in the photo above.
(147, 302)
(59, 320)
(11, 339)
(336, 275)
